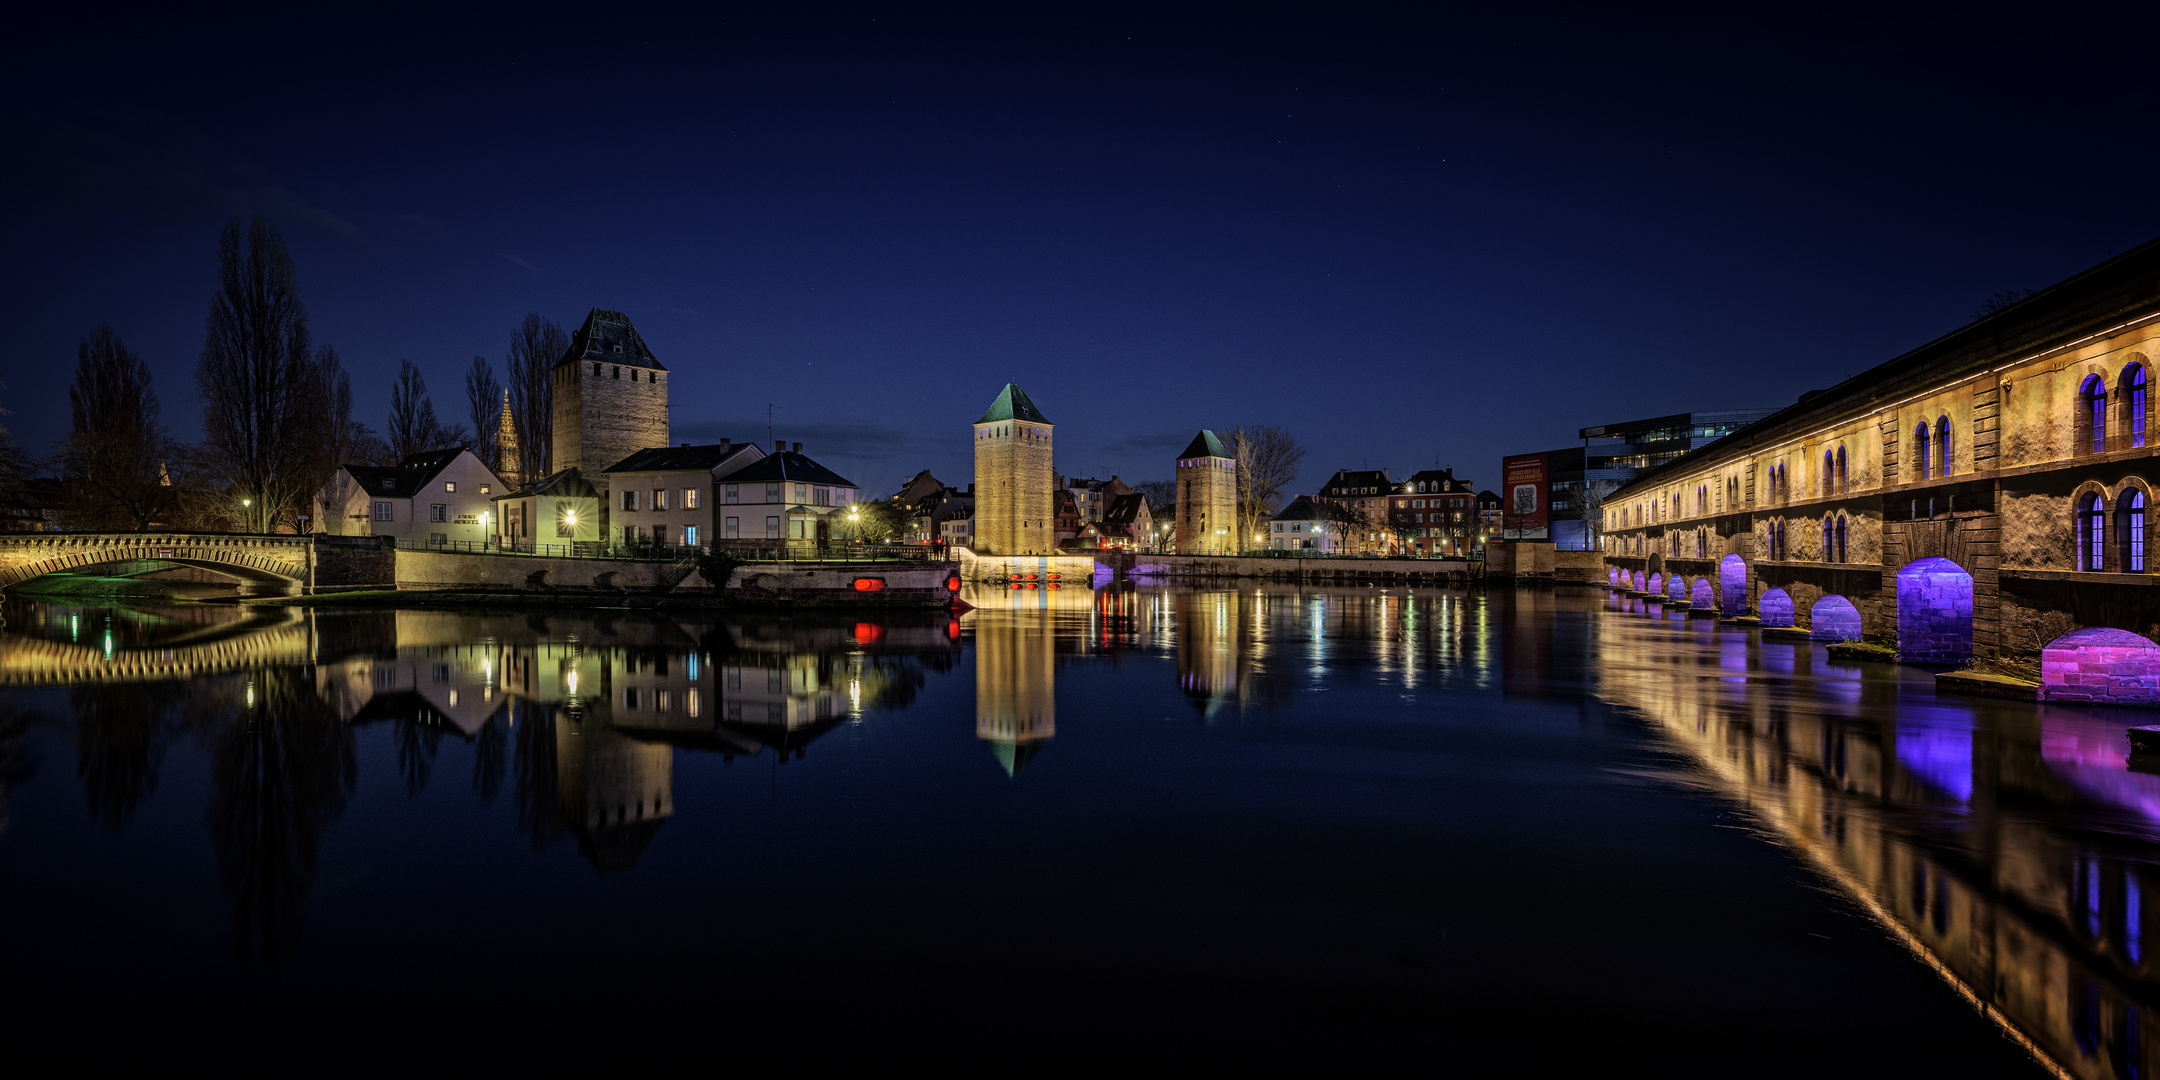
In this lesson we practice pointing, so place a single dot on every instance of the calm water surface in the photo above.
(1503, 831)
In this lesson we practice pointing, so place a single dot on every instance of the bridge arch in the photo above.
(1934, 612)
(1834, 618)
(1732, 586)
(277, 560)
(1638, 579)
(1700, 596)
(2101, 665)
(1676, 588)
(1777, 608)
(1657, 583)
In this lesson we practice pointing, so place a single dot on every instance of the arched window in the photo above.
(1699, 543)
(1942, 446)
(2130, 530)
(1841, 539)
(1920, 452)
(2133, 395)
(2091, 532)
(1829, 539)
(2092, 416)
(1844, 479)
(1829, 474)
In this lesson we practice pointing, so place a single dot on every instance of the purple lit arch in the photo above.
(1934, 612)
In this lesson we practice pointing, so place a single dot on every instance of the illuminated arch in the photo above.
(1777, 609)
(1834, 618)
(1935, 612)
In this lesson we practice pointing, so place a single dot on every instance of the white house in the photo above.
(437, 498)
(557, 512)
(1299, 528)
(783, 495)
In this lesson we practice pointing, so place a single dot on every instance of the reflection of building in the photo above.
(613, 790)
(2006, 844)
(1015, 685)
(1213, 639)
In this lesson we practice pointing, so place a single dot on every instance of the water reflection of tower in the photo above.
(1015, 686)
(612, 790)
(1213, 640)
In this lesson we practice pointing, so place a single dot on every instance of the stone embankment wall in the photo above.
(904, 583)
(1312, 570)
(346, 563)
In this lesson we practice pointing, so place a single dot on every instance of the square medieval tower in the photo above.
(1207, 498)
(1013, 481)
(611, 398)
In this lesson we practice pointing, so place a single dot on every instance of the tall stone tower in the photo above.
(1013, 481)
(1207, 499)
(610, 397)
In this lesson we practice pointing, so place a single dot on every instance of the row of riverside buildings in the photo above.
(1988, 492)
(618, 482)
(1019, 505)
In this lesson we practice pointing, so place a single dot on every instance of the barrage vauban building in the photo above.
(1984, 493)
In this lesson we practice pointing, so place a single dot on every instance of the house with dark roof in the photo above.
(561, 509)
(1300, 526)
(436, 498)
(784, 495)
(663, 496)
(1129, 524)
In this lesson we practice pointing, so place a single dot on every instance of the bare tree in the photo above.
(483, 403)
(414, 428)
(1267, 463)
(535, 346)
(13, 467)
(116, 452)
(1161, 495)
(1341, 520)
(254, 379)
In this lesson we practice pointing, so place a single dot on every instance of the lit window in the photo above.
(484, 488)
(689, 498)
(450, 486)
(659, 499)
(2091, 513)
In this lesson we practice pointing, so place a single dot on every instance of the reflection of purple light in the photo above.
(2089, 753)
(1939, 754)
(1777, 609)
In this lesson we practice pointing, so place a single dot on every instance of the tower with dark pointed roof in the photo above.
(611, 397)
(1014, 514)
(1207, 498)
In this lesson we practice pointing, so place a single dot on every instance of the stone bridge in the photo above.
(297, 564)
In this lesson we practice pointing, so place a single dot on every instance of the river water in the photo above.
(1481, 831)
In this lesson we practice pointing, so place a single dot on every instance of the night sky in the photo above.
(1406, 242)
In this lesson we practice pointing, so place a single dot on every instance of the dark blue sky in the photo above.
(1446, 240)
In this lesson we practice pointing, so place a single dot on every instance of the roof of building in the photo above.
(1355, 481)
(1012, 404)
(678, 458)
(1125, 509)
(566, 484)
(1443, 477)
(1205, 444)
(405, 480)
(1300, 509)
(788, 465)
(607, 336)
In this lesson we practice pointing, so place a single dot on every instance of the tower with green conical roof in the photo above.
(1207, 498)
(1014, 514)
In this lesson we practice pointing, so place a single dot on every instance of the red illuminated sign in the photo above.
(869, 584)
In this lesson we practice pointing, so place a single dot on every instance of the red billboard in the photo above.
(1523, 496)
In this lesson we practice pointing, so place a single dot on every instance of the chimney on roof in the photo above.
(798, 448)
(724, 445)
(779, 446)
(684, 445)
